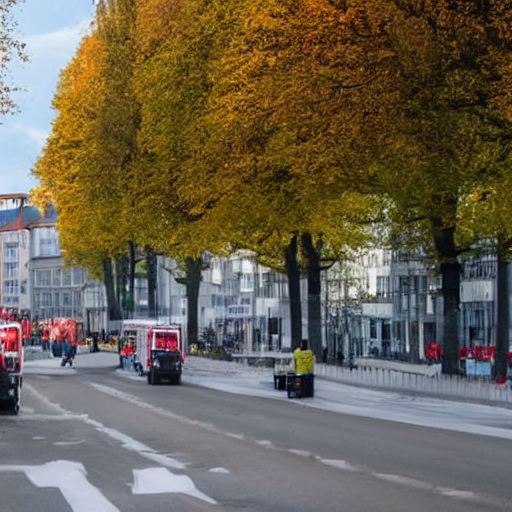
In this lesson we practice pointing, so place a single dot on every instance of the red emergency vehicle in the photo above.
(11, 366)
(159, 352)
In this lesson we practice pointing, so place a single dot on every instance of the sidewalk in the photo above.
(418, 369)
(420, 379)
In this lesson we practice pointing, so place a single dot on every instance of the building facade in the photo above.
(381, 303)
(56, 288)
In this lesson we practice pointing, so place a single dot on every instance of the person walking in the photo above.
(68, 352)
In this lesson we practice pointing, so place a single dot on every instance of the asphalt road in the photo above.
(91, 440)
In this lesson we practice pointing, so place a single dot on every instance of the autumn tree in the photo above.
(89, 150)
(442, 80)
(176, 42)
(278, 125)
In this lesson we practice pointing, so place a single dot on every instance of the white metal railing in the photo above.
(449, 386)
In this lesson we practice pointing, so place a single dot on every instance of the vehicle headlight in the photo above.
(156, 363)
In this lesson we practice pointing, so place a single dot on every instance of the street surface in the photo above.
(96, 439)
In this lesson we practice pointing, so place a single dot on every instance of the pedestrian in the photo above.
(68, 352)
(304, 361)
(127, 356)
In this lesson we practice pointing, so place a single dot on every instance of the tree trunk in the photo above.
(450, 272)
(314, 292)
(114, 311)
(151, 278)
(193, 266)
(502, 334)
(413, 286)
(129, 302)
(121, 281)
(293, 273)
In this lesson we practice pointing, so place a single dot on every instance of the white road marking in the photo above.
(71, 479)
(161, 480)
(223, 471)
(339, 464)
(68, 443)
(133, 445)
(302, 453)
(455, 493)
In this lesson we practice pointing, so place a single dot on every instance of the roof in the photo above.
(18, 218)
(49, 219)
(16, 213)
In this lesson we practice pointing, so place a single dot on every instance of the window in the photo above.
(11, 250)
(10, 270)
(57, 275)
(66, 299)
(66, 278)
(56, 299)
(46, 299)
(48, 247)
(43, 278)
(404, 293)
(238, 310)
(373, 328)
(11, 287)
(247, 283)
(386, 330)
(46, 242)
(383, 286)
(77, 275)
(429, 332)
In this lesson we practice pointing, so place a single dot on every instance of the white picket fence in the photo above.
(442, 385)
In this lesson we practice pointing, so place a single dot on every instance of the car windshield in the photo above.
(165, 354)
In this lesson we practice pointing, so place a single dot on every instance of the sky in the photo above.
(51, 30)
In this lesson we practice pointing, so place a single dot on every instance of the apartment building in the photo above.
(16, 216)
(396, 307)
(56, 288)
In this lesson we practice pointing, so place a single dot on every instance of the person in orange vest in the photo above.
(127, 355)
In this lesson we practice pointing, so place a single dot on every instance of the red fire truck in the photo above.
(11, 366)
(158, 349)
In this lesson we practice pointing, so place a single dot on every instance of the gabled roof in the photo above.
(49, 219)
(7, 217)
(16, 213)
(11, 220)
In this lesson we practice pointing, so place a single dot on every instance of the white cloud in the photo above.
(37, 135)
(31, 135)
(60, 42)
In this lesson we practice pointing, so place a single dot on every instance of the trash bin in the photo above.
(301, 386)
